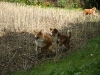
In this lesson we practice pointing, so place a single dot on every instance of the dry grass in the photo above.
(17, 23)
(28, 18)
(16, 17)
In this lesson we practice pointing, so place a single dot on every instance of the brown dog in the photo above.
(42, 41)
(89, 11)
(61, 39)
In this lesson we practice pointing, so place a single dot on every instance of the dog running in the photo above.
(89, 11)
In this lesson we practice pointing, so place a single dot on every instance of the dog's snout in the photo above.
(35, 37)
(51, 34)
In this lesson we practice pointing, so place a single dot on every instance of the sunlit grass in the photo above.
(18, 17)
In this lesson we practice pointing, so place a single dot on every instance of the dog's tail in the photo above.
(69, 33)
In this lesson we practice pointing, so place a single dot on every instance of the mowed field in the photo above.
(17, 25)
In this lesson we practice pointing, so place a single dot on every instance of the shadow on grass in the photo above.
(16, 52)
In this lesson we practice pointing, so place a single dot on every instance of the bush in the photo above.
(61, 3)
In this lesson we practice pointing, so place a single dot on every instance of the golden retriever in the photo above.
(89, 11)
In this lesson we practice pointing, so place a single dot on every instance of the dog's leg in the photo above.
(56, 58)
(41, 53)
(69, 48)
(36, 49)
(47, 50)
(95, 14)
(45, 54)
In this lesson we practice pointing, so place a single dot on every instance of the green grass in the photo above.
(80, 62)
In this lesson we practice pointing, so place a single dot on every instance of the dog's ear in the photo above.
(40, 32)
(50, 29)
(55, 30)
(94, 8)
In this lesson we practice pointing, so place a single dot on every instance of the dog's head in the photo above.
(94, 8)
(53, 31)
(38, 34)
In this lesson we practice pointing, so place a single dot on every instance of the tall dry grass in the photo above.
(27, 18)
(17, 23)
(18, 18)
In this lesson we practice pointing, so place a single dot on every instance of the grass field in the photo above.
(17, 25)
(16, 17)
(81, 62)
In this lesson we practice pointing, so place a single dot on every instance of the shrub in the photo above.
(61, 3)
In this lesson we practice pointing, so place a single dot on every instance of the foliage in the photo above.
(61, 3)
